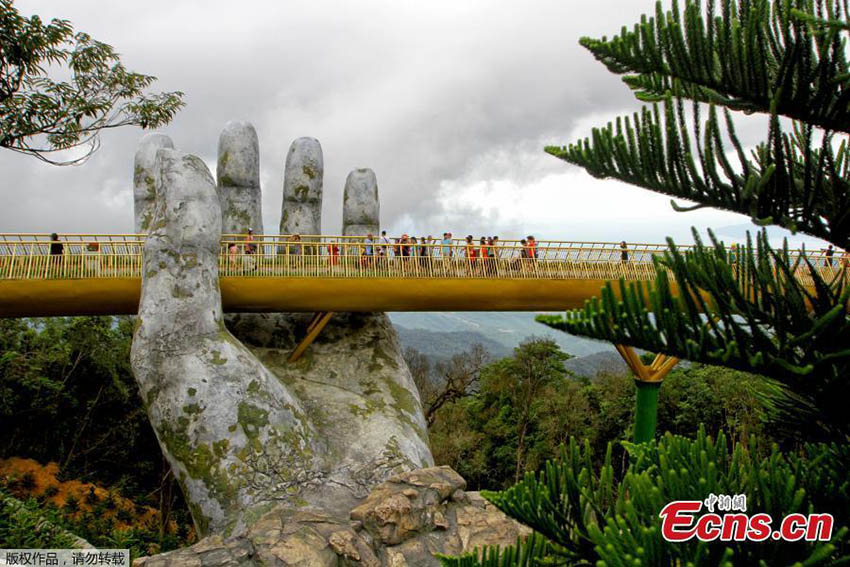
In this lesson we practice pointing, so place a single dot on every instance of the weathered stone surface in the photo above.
(361, 211)
(356, 390)
(238, 174)
(144, 184)
(286, 537)
(301, 211)
(235, 437)
(406, 504)
(243, 428)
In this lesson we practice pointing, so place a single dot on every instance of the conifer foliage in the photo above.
(584, 518)
(765, 311)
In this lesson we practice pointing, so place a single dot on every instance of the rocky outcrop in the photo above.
(301, 211)
(403, 522)
(361, 211)
(144, 185)
(243, 429)
(238, 174)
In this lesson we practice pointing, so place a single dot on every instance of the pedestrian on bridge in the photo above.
(385, 245)
(446, 249)
(57, 249)
(333, 253)
(232, 252)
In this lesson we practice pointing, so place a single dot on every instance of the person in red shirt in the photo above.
(333, 252)
(469, 250)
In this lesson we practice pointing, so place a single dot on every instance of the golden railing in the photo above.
(74, 256)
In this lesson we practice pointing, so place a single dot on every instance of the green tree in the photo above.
(515, 386)
(492, 436)
(40, 115)
(67, 395)
(786, 59)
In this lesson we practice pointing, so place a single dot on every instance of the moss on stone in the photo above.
(202, 522)
(189, 260)
(178, 292)
(152, 394)
(309, 171)
(217, 359)
(252, 419)
(369, 386)
(406, 405)
(301, 192)
(192, 391)
(202, 463)
(192, 409)
(380, 357)
(220, 448)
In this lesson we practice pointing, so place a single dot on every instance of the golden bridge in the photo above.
(100, 274)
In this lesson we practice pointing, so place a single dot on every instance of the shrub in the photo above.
(584, 516)
(91, 497)
(72, 504)
(27, 481)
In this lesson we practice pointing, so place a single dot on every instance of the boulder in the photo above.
(403, 522)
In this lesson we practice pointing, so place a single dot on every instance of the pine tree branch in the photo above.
(755, 313)
(740, 57)
(788, 180)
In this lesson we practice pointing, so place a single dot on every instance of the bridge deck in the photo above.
(101, 274)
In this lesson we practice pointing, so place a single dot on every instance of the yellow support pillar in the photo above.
(313, 329)
(647, 381)
(655, 372)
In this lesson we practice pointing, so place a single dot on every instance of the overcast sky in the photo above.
(449, 102)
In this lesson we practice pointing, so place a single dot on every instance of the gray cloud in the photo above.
(437, 98)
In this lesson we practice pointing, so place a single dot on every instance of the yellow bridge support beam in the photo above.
(655, 372)
(313, 329)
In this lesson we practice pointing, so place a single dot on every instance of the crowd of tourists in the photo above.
(407, 246)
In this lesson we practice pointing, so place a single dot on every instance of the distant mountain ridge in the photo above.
(442, 335)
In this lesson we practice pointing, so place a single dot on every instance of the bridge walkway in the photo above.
(101, 274)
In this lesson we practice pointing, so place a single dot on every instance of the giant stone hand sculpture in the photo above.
(144, 185)
(238, 176)
(243, 429)
(301, 211)
(361, 208)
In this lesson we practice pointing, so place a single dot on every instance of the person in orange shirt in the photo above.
(484, 254)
